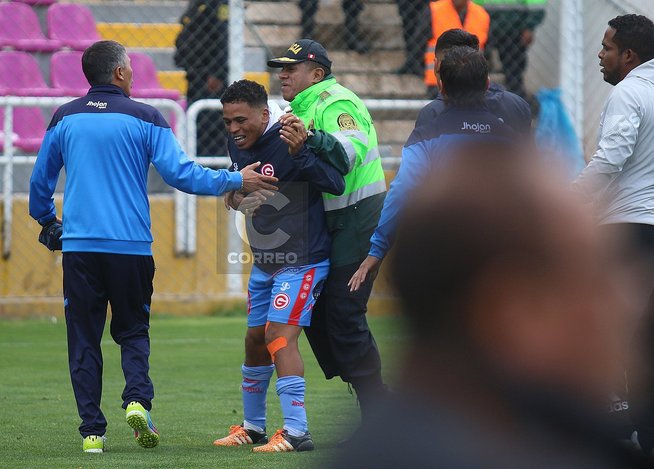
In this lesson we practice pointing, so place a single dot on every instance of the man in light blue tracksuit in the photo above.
(106, 142)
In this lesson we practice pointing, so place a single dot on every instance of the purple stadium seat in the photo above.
(20, 76)
(20, 29)
(66, 73)
(146, 84)
(37, 3)
(29, 128)
(72, 24)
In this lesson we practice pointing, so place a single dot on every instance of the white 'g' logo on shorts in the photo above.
(281, 301)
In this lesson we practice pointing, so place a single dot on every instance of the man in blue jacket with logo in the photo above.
(463, 81)
(106, 143)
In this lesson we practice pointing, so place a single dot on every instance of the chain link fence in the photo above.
(185, 51)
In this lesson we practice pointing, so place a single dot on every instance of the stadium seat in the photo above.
(36, 3)
(72, 24)
(20, 29)
(20, 76)
(66, 73)
(29, 128)
(146, 83)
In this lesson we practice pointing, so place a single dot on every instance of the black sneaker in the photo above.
(282, 442)
(239, 435)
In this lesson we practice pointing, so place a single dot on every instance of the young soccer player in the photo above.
(290, 245)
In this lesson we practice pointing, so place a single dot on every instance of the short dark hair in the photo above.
(101, 59)
(464, 76)
(313, 65)
(456, 37)
(635, 32)
(245, 91)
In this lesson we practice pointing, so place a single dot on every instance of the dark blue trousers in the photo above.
(91, 281)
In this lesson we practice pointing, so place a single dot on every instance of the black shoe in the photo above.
(282, 442)
(239, 435)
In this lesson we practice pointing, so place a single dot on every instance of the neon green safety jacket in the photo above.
(353, 216)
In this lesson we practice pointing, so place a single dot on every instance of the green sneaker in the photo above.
(94, 444)
(139, 419)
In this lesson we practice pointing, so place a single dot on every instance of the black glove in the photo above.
(50, 235)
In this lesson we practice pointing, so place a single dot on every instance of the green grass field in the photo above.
(195, 366)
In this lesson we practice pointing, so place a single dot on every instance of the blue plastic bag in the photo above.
(555, 134)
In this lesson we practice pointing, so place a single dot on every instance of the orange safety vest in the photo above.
(444, 17)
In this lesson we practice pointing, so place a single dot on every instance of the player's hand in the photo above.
(248, 204)
(527, 37)
(229, 200)
(214, 84)
(369, 267)
(50, 235)
(253, 181)
(293, 133)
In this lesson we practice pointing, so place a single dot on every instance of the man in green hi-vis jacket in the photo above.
(512, 31)
(339, 125)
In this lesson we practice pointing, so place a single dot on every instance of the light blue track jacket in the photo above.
(106, 142)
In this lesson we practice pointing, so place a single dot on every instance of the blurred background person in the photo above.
(416, 31)
(202, 50)
(618, 178)
(351, 10)
(453, 14)
(512, 32)
(516, 319)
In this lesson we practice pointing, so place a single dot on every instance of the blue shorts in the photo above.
(287, 296)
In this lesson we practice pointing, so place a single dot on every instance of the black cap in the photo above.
(301, 51)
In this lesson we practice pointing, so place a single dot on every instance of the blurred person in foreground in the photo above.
(340, 124)
(516, 325)
(619, 177)
(290, 246)
(106, 143)
(509, 107)
(463, 82)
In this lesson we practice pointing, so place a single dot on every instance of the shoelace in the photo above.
(277, 436)
(235, 429)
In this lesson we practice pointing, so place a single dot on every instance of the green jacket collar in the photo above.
(307, 98)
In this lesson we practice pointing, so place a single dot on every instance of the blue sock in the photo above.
(254, 388)
(290, 390)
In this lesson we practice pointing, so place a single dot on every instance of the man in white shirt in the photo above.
(619, 179)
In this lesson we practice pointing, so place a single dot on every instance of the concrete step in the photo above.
(384, 85)
(374, 61)
(382, 14)
(279, 37)
(267, 12)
